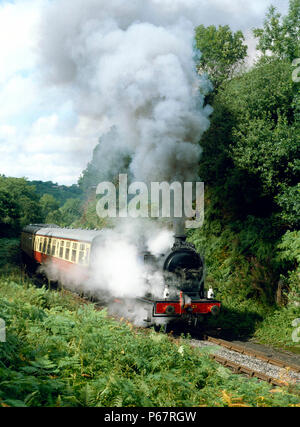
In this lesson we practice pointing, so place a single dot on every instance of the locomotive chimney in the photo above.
(179, 230)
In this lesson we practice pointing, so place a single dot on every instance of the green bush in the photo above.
(62, 353)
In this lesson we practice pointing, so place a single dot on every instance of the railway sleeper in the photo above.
(252, 353)
(240, 369)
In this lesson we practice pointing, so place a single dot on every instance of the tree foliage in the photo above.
(9, 213)
(48, 204)
(250, 165)
(61, 193)
(223, 52)
(21, 205)
(24, 202)
(280, 36)
(66, 215)
(251, 151)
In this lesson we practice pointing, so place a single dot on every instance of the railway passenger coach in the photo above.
(64, 247)
(184, 297)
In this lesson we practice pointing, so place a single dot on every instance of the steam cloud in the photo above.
(132, 62)
(117, 267)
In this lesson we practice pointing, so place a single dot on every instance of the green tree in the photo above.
(67, 214)
(61, 193)
(9, 214)
(281, 35)
(48, 204)
(89, 218)
(251, 152)
(223, 52)
(71, 211)
(25, 197)
(55, 217)
(250, 164)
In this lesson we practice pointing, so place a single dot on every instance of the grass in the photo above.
(279, 329)
(62, 353)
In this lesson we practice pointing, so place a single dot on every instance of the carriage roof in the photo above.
(52, 230)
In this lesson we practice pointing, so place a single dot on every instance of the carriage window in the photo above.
(61, 250)
(73, 255)
(81, 258)
(74, 252)
(41, 244)
(44, 246)
(49, 246)
(67, 253)
(53, 250)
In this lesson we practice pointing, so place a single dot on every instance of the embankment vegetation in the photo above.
(61, 352)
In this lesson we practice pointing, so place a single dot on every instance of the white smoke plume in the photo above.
(117, 267)
(132, 62)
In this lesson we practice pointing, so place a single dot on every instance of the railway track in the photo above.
(289, 373)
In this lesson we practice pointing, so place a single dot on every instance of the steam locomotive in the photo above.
(183, 299)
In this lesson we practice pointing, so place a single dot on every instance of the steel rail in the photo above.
(254, 353)
(241, 369)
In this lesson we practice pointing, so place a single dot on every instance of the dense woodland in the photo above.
(24, 202)
(250, 165)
